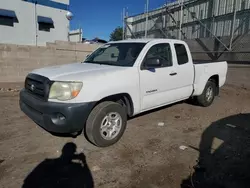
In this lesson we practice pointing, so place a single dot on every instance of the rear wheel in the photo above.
(106, 124)
(208, 95)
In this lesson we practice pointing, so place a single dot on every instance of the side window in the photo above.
(181, 53)
(161, 52)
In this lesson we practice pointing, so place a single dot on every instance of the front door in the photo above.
(158, 84)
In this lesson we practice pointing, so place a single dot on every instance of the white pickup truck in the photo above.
(117, 81)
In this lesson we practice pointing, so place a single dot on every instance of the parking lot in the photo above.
(150, 154)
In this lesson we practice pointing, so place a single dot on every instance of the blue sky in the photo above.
(99, 18)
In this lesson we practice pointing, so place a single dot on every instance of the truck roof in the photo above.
(145, 40)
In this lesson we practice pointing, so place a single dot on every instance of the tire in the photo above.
(203, 99)
(101, 115)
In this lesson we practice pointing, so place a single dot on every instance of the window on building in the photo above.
(202, 31)
(181, 54)
(44, 27)
(45, 23)
(163, 21)
(201, 14)
(8, 17)
(193, 29)
(193, 15)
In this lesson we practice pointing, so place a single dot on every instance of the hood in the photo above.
(73, 69)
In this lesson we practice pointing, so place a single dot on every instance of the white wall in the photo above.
(24, 32)
(61, 24)
(75, 35)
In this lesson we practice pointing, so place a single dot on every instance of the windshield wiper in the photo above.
(92, 62)
(100, 63)
(104, 63)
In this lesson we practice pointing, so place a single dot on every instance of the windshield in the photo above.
(117, 54)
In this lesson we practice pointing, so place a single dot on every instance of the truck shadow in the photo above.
(69, 170)
(224, 155)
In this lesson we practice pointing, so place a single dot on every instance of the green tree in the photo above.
(116, 34)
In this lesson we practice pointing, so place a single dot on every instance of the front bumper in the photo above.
(55, 117)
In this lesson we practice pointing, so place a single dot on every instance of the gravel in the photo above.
(146, 156)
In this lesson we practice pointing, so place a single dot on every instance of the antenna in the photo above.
(146, 24)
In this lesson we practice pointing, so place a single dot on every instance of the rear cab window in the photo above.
(181, 54)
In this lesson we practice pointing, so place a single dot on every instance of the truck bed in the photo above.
(197, 62)
(205, 70)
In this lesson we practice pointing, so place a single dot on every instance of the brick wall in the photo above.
(17, 61)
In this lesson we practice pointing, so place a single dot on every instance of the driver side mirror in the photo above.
(152, 63)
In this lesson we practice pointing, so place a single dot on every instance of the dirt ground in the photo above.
(217, 151)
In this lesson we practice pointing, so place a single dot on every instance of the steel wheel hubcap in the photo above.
(111, 125)
(209, 94)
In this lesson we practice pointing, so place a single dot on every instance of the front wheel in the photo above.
(106, 124)
(208, 95)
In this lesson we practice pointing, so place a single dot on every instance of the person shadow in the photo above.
(70, 170)
(224, 159)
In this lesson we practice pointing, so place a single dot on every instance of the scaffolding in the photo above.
(192, 19)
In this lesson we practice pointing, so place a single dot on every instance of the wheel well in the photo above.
(124, 99)
(215, 79)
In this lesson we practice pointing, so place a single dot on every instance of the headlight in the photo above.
(64, 91)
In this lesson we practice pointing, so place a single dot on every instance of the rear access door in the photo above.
(185, 69)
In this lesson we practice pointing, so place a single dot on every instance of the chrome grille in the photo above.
(38, 86)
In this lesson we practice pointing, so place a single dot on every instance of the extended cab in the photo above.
(117, 81)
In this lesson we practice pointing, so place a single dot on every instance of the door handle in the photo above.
(173, 74)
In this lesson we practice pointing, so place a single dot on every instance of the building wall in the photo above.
(16, 61)
(211, 50)
(25, 28)
(217, 16)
